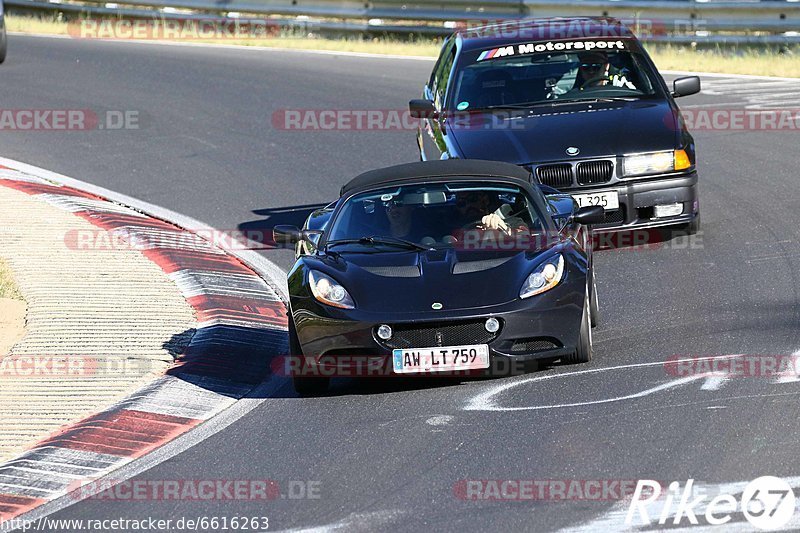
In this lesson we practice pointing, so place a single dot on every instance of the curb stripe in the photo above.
(241, 327)
(11, 505)
(35, 187)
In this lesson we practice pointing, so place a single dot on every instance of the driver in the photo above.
(474, 208)
(594, 70)
(400, 219)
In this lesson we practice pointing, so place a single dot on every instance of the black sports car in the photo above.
(579, 103)
(444, 266)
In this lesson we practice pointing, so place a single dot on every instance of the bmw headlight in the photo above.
(328, 291)
(544, 278)
(655, 163)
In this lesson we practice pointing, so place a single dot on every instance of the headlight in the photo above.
(328, 291)
(655, 163)
(543, 278)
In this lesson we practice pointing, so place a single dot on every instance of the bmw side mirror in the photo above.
(685, 86)
(286, 235)
(592, 214)
(422, 108)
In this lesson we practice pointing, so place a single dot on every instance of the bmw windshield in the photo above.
(433, 216)
(512, 76)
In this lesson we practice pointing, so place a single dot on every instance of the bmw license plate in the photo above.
(442, 359)
(608, 200)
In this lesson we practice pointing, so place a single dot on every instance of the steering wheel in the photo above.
(476, 224)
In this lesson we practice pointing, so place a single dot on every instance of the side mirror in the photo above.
(422, 109)
(560, 206)
(287, 236)
(592, 214)
(685, 86)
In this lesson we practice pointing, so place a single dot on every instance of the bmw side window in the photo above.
(444, 76)
(640, 77)
(442, 55)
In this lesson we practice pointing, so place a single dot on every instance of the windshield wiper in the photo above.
(553, 103)
(393, 241)
(524, 105)
(594, 99)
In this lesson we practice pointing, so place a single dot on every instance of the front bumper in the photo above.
(637, 199)
(544, 327)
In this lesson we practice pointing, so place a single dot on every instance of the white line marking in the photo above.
(485, 402)
(439, 420)
(714, 382)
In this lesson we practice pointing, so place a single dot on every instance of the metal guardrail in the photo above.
(678, 21)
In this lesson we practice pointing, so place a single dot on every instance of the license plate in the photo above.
(443, 359)
(608, 200)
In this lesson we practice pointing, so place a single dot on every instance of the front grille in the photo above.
(590, 172)
(533, 345)
(411, 271)
(442, 334)
(558, 176)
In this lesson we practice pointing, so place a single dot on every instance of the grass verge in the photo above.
(8, 289)
(730, 60)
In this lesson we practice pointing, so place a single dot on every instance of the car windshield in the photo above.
(504, 77)
(433, 215)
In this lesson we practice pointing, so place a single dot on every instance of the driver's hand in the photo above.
(494, 222)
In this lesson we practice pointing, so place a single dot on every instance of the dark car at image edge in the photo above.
(512, 93)
(3, 37)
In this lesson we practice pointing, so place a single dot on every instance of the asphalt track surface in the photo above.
(386, 454)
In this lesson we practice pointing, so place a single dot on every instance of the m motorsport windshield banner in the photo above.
(550, 46)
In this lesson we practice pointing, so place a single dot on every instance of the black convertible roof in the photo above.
(465, 168)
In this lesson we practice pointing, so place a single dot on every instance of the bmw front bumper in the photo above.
(638, 198)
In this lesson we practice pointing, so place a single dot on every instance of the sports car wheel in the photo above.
(583, 351)
(310, 386)
(304, 386)
(595, 302)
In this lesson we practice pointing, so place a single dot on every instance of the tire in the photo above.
(693, 228)
(304, 386)
(308, 387)
(594, 302)
(3, 42)
(583, 351)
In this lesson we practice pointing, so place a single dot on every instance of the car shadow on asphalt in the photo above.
(233, 361)
(295, 215)
(644, 239)
(226, 359)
